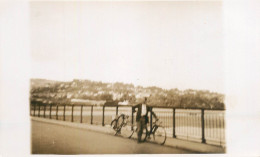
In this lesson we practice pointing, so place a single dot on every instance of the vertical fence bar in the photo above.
(173, 123)
(91, 115)
(206, 124)
(168, 120)
(188, 125)
(202, 127)
(64, 110)
(34, 108)
(103, 116)
(39, 110)
(223, 131)
(217, 124)
(214, 126)
(132, 120)
(72, 113)
(210, 124)
(151, 119)
(50, 110)
(220, 126)
(44, 110)
(116, 110)
(57, 108)
(192, 124)
(81, 109)
(181, 122)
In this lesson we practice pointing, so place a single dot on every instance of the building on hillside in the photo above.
(142, 95)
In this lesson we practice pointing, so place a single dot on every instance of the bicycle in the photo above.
(121, 125)
(158, 132)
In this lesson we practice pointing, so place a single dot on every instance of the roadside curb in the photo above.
(171, 142)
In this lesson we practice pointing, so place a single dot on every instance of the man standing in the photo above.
(142, 117)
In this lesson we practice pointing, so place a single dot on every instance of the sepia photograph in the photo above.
(127, 78)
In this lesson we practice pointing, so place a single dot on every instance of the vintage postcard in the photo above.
(129, 78)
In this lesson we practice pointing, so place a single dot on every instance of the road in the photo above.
(57, 139)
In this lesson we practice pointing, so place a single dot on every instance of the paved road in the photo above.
(56, 139)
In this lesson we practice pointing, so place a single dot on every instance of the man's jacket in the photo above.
(139, 112)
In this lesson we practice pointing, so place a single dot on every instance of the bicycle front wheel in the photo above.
(126, 130)
(159, 135)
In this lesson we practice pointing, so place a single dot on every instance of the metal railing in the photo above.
(201, 125)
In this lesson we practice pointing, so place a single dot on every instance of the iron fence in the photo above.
(201, 125)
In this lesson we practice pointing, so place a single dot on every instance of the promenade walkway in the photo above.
(59, 137)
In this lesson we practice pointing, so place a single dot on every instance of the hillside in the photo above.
(92, 90)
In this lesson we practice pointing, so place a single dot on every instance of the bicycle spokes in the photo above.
(159, 135)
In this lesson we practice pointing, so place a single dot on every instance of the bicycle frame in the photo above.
(153, 130)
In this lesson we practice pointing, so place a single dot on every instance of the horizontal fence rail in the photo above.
(200, 125)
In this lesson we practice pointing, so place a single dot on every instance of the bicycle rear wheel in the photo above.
(114, 125)
(159, 135)
(135, 133)
(144, 134)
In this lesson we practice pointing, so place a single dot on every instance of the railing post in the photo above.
(50, 110)
(34, 108)
(173, 123)
(202, 127)
(57, 108)
(91, 115)
(72, 113)
(39, 110)
(132, 127)
(81, 113)
(116, 110)
(44, 110)
(151, 120)
(64, 110)
(103, 116)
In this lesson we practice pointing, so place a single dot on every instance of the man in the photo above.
(142, 117)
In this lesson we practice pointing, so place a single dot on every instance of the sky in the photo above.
(164, 44)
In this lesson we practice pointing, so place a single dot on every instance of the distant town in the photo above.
(123, 94)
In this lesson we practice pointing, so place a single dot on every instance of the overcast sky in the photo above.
(165, 44)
